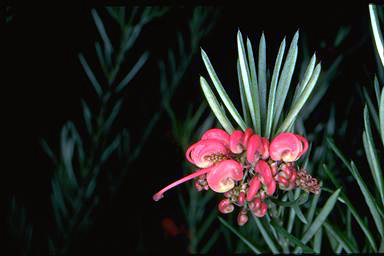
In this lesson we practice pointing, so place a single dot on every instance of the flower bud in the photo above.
(225, 206)
(241, 198)
(242, 219)
(247, 135)
(265, 172)
(261, 211)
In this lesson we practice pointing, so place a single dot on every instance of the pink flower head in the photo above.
(205, 153)
(217, 134)
(235, 142)
(223, 175)
(288, 147)
(261, 211)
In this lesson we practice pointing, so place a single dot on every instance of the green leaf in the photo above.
(109, 150)
(103, 33)
(317, 240)
(369, 199)
(266, 236)
(247, 81)
(302, 199)
(272, 89)
(381, 114)
(242, 238)
(90, 75)
(376, 32)
(47, 149)
(302, 99)
(244, 103)
(372, 109)
(208, 245)
(115, 111)
(214, 104)
(262, 83)
(205, 225)
(222, 93)
(311, 211)
(87, 116)
(294, 240)
(304, 81)
(341, 238)
(321, 217)
(254, 87)
(285, 79)
(371, 156)
(131, 74)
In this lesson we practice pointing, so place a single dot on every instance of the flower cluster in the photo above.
(246, 168)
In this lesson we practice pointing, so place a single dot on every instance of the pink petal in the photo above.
(265, 171)
(254, 147)
(287, 147)
(217, 134)
(247, 135)
(265, 151)
(205, 153)
(235, 142)
(223, 175)
(271, 188)
(254, 187)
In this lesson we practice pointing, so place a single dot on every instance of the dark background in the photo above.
(43, 82)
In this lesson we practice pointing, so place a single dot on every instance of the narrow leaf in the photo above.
(87, 116)
(304, 81)
(254, 87)
(103, 33)
(317, 240)
(295, 109)
(222, 93)
(109, 150)
(262, 83)
(272, 89)
(376, 32)
(294, 240)
(319, 220)
(90, 75)
(131, 74)
(214, 104)
(242, 238)
(115, 111)
(342, 239)
(381, 113)
(285, 79)
(266, 236)
(246, 79)
(244, 103)
(371, 156)
(369, 199)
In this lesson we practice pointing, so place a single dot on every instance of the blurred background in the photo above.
(128, 136)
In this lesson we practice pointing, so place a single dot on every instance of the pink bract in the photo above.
(254, 148)
(223, 175)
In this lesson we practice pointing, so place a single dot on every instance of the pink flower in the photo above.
(217, 134)
(235, 142)
(206, 152)
(288, 147)
(254, 186)
(223, 175)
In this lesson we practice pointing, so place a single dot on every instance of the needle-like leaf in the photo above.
(262, 82)
(214, 104)
(242, 238)
(222, 93)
